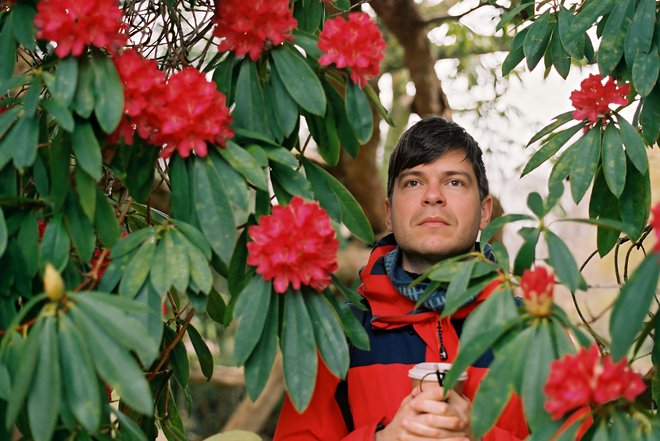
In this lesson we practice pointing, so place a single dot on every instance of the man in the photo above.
(437, 203)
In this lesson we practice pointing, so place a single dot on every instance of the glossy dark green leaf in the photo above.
(128, 429)
(527, 252)
(31, 97)
(635, 201)
(140, 171)
(130, 242)
(537, 365)
(535, 203)
(203, 352)
(213, 209)
(86, 190)
(108, 93)
(171, 423)
(322, 190)
(309, 16)
(550, 146)
(611, 46)
(537, 39)
(345, 132)
(126, 331)
(328, 334)
(287, 109)
(21, 19)
(87, 149)
(55, 244)
(496, 388)
(80, 383)
(299, 79)
(516, 54)
(243, 162)
(46, 385)
(586, 162)
(161, 275)
(58, 163)
(249, 110)
(3, 233)
(105, 220)
(562, 260)
(194, 236)
(635, 148)
(588, 15)
(640, 35)
(309, 42)
(8, 51)
(358, 112)
(511, 14)
(178, 358)
(84, 100)
(650, 116)
(352, 327)
(200, 272)
(292, 181)
(457, 287)
(27, 241)
(633, 304)
(497, 223)
(65, 82)
(572, 41)
(251, 308)
(80, 228)
(177, 260)
(138, 269)
(115, 365)
(21, 143)
(260, 362)
(328, 144)
(61, 114)
(614, 160)
(560, 58)
(180, 200)
(223, 76)
(645, 71)
(300, 361)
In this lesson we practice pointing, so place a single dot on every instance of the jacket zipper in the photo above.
(441, 344)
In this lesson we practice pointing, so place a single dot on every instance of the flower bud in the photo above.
(537, 287)
(53, 283)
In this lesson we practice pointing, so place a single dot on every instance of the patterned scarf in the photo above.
(401, 279)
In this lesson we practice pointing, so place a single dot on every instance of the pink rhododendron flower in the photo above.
(249, 27)
(537, 286)
(194, 112)
(593, 99)
(655, 224)
(581, 380)
(355, 43)
(75, 24)
(144, 94)
(295, 245)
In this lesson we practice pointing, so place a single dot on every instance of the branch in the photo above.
(435, 21)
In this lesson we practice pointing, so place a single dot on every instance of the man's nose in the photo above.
(433, 195)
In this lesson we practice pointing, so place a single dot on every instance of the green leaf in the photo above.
(650, 116)
(194, 236)
(180, 200)
(298, 350)
(80, 228)
(245, 164)
(251, 308)
(176, 248)
(640, 35)
(511, 14)
(8, 51)
(5, 383)
(140, 171)
(203, 352)
(47, 385)
(328, 335)
(55, 244)
(603, 204)
(128, 429)
(633, 304)
(65, 82)
(322, 190)
(497, 223)
(635, 148)
(299, 79)
(161, 275)
(358, 112)
(635, 201)
(28, 237)
(527, 252)
(216, 307)
(562, 261)
(309, 42)
(614, 35)
(223, 76)
(105, 220)
(108, 93)
(344, 127)
(572, 41)
(3, 233)
(178, 358)
(22, 24)
(87, 149)
(537, 39)
(560, 58)
(84, 100)
(328, 143)
(138, 269)
(213, 209)
(457, 287)
(21, 143)
(516, 54)
(614, 160)
(31, 97)
(292, 181)
(80, 383)
(58, 164)
(61, 114)
(287, 109)
(536, 368)
(645, 71)
(588, 15)
(586, 161)
(550, 146)
(352, 327)
(249, 109)
(260, 362)
(131, 241)
(115, 365)
(126, 331)
(200, 273)
(535, 203)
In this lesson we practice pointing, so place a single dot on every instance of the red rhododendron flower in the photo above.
(593, 99)
(579, 380)
(194, 112)
(295, 245)
(144, 93)
(655, 224)
(249, 27)
(537, 286)
(355, 43)
(74, 24)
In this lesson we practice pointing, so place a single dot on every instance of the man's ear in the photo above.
(388, 214)
(486, 211)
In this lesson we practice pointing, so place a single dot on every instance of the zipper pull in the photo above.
(441, 348)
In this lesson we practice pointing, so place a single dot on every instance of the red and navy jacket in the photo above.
(377, 380)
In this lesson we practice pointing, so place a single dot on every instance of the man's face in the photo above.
(435, 210)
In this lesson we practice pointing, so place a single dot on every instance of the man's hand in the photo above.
(424, 415)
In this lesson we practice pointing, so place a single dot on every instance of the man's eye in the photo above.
(455, 183)
(411, 183)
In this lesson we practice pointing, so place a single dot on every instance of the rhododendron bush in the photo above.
(104, 105)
